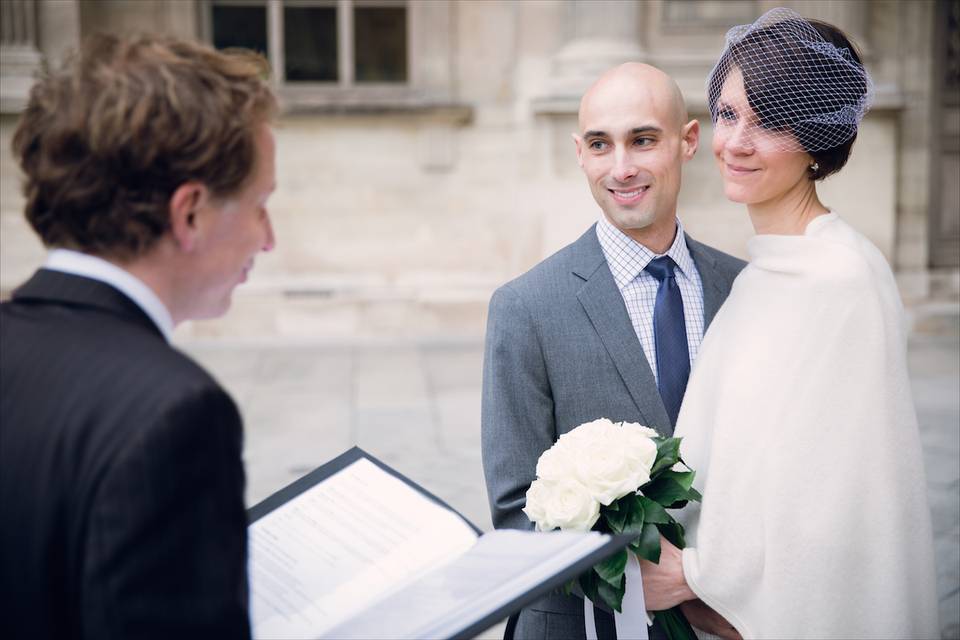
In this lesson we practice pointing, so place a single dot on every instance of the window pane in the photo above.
(380, 45)
(310, 44)
(240, 27)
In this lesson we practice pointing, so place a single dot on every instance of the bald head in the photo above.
(634, 138)
(625, 86)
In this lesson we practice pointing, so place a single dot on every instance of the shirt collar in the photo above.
(82, 264)
(628, 258)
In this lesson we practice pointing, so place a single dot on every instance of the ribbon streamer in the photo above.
(632, 623)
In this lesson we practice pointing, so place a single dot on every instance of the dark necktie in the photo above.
(670, 334)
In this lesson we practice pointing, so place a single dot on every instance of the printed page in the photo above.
(347, 541)
(501, 567)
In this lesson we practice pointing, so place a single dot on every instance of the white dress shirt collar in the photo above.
(628, 258)
(82, 264)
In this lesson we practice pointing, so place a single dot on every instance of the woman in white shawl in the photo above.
(798, 416)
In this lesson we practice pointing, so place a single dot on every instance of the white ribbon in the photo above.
(632, 623)
(589, 624)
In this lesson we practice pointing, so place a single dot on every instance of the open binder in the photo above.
(356, 550)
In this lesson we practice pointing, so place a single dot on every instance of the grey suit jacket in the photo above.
(560, 351)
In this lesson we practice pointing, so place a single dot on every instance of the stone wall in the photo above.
(400, 222)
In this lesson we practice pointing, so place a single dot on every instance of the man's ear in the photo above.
(185, 204)
(690, 139)
(578, 143)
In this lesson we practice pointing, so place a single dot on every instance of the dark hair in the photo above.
(106, 140)
(773, 66)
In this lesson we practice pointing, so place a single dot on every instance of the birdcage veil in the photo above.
(803, 93)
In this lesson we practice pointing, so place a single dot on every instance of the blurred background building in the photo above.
(424, 150)
(425, 157)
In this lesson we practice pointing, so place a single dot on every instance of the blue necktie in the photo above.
(670, 334)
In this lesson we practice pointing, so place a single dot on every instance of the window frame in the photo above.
(345, 91)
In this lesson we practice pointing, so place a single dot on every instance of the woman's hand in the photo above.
(706, 619)
(663, 584)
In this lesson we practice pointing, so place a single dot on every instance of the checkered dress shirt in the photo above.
(627, 260)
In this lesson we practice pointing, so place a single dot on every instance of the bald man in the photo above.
(574, 339)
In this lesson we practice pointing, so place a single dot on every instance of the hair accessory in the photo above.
(789, 87)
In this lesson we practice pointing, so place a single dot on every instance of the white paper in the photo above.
(502, 565)
(329, 552)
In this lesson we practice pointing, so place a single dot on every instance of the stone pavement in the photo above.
(935, 375)
(416, 406)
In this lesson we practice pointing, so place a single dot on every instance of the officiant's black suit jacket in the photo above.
(121, 481)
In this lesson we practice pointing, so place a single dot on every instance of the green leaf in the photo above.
(648, 546)
(614, 519)
(588, 582)
(684, 478)
(653, 512)
(612, 595)
(668, 454)
(665, 490)
(568, 587)
(611, 569)
(673, 532)
(633, 512)
(613, 506)
(694, 495)
(675, 624)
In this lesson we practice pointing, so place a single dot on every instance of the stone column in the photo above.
(19, 56)
(59, 29)
(913, 49)
(850, 15)
(600, 34)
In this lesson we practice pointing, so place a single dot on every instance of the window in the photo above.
(341, 44)
(310, 43)
(380, 44)
(240, 26)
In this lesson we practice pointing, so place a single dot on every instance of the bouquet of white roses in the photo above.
(614, 478)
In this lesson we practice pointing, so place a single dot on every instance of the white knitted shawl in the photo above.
(799, 421)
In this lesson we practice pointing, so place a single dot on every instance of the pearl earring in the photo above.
(815, 167)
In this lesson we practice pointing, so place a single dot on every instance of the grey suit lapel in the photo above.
(603, 304)
(713, 292)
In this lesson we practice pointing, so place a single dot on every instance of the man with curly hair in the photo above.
(148, 163)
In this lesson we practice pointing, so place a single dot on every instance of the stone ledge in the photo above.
(333, 318)
(307, 102)
(934, 319)
(920, 286)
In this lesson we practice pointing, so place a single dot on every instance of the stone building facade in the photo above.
(424, 149)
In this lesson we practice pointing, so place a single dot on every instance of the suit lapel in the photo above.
(603, 304)
(57, 287)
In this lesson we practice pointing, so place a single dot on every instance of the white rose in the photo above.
(636, 426)
(556, 463)
(538, 495)
(600, 429)
(639, 447)
(614, 465)
(565, 504)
